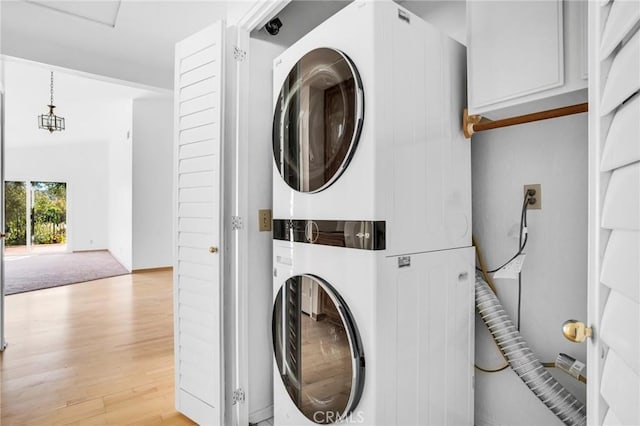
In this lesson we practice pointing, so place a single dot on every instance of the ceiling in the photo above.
(125, 39)
(134, 40)
(86, 104)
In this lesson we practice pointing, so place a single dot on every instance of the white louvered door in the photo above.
(613, 390)
(198, 257)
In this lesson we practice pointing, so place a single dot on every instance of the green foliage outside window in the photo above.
(49, 213)
(15, 194)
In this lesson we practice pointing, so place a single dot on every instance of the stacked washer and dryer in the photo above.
(373, 264)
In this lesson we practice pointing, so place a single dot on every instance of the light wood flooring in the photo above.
(91, 354)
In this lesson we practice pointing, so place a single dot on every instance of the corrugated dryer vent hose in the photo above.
(523, 361)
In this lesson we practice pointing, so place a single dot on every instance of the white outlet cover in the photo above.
(511, 269)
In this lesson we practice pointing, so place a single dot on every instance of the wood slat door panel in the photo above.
(198, 104)
(196, 149)
(613, 389)
(621, 310)
(619, 389)
(197, 269)
(199, 134)
(621, 146)
(197, 119)
(199, 88)
(624, 76)
(620, 266)
(197, 179)
(622, 18)
(199, 58)
(198, 164)
(621, 208)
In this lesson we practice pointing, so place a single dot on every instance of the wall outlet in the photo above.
(264, 220)
(537, 196)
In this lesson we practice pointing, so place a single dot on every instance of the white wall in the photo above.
(554, 154)
(83, 167)
(260, 280)
(449, 16)
(152, 183)
(120, 218)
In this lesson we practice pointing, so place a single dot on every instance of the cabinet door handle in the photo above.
(213, 249)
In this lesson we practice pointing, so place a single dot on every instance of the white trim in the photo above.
(261, 415)
(261, 13)
(237, 329)
(594, 303)
(3, 343)
(29, 204)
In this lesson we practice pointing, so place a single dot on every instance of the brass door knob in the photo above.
(213, 249)
(576, 331)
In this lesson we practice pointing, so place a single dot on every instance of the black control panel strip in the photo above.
(357, 234)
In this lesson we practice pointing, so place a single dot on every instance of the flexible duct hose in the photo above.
(522, 360)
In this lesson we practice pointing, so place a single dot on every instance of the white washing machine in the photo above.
(361, 338)
(367, 127)
(373, 273)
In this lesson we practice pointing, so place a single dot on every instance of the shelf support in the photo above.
(476, 123)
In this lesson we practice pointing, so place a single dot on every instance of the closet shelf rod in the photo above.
(476, 123)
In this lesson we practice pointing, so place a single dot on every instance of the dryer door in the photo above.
(318, 353)
(317, 120)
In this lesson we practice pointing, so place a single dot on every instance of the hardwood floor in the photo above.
(91, 354)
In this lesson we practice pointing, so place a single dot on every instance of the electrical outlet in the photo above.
(537, 196)
(264, 220)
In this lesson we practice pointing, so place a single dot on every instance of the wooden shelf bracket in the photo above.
(476, 123)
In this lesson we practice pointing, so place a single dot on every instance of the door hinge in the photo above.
(239, 54)
(236, 223)
(238, 396)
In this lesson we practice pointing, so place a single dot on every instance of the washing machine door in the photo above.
(317, 349)
(317, 120)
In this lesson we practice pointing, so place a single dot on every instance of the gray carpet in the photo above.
(35, 272)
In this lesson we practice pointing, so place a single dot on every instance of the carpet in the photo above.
(35, 272)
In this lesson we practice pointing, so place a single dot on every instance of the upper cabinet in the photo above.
(523, 51)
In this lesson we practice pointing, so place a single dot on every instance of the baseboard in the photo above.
(88, 251)
(145, 270)
(262, 414)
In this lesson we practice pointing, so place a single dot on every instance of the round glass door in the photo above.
(317, 349)
(318, 119)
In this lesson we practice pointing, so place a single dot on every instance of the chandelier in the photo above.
(50, 121)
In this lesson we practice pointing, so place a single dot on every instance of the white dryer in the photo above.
(367, 127)
(361, 338)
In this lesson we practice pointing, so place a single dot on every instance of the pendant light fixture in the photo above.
(50, 121)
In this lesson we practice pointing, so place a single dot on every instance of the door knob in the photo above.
(576, 331)
(213, 249)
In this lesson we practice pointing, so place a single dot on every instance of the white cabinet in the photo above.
(521, 51)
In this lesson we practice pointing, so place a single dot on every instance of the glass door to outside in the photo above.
(35, 217)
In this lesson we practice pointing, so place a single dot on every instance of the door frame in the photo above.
(597, 237)
(3, 343)
(238, 96)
